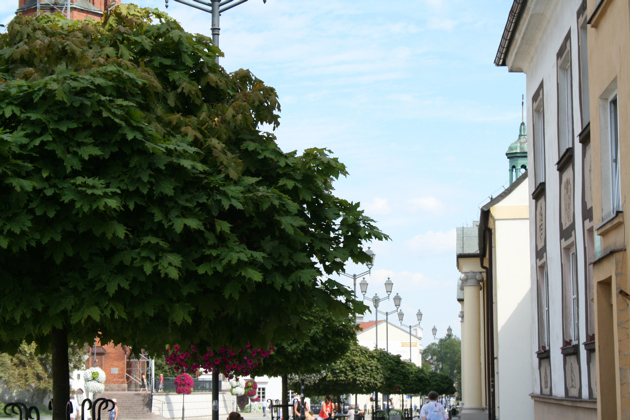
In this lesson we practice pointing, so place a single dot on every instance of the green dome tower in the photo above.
(517, 152)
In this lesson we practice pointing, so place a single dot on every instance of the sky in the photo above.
(406, 94)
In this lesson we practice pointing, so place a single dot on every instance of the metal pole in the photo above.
(387, 348)
(376, 325)
(215, 394)
(215, 25)
(410, 344)
(376, 393)
(303, 409)
(387, 332)
(152, 376)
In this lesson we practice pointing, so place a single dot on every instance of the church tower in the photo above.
(517, 152)
(72, 9)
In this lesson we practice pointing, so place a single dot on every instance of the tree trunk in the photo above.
(61, 373)
(285, 396)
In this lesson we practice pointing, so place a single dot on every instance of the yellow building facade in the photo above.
(609, 103)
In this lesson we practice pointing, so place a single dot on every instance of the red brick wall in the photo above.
(74, 13)
(113, 359)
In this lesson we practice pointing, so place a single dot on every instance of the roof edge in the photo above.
(506, 39)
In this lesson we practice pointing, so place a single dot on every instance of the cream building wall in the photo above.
(398, 344)
(398, 339)
(537, 39)
(609, 73)
(515, 370)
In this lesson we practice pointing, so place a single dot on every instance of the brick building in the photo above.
(79, 9)
(123, 368)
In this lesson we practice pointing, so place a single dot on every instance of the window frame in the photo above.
(564, 85)
(585, 106)
(575, 309)
(613, 144)
(543, 309)
(538, 120)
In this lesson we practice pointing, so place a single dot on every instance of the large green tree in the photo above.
(396, 372)
(441, 383)
(328, 338)
(29, 370)
(446, 356)
(140, 202)
(358, 371)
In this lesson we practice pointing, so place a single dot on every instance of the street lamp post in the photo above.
(354, 277)
(376, 302)
(401, 315)
(216, 8)
(419, 318)
(449, 332)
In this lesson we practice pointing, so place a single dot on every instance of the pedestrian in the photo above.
(143, 383)
(432, 410)
(297, 406)
(415, 408)
(327, 409)
(264, 407)
(234, 416)
(73, 407)
(161, 387)
(113, 413)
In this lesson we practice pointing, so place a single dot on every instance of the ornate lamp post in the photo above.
(401, 316)
(354, 282)
(418, 317)
(354, 277)
(449, 332)
(216, 7)
(376, 302)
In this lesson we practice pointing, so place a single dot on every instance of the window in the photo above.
(570, 309)
(575, 317)
(262, 394)
(543, 309)
(615, 178)
(539, 136)
(609, 134)
(590, 294)
(565, 113)
(583, 54)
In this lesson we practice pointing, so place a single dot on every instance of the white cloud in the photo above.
(404, 28)
(378, 206)
(441, 24)
(427, 203)
(433, 242)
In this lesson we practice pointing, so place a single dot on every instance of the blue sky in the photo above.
(406, 94)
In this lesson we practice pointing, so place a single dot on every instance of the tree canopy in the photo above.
(28, 370)
(141, 202)
(446, 355)
(358, 371)
(326, 341)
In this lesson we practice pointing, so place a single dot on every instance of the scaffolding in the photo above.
(54, 4)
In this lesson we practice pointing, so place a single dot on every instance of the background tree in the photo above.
(29, 370)
(396, 372)
(449, 360)
(140, 202)
(418, 383)
(441, 383)
(328, 339)
(161, 367)
(358, 371)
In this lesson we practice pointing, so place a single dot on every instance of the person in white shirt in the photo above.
(432, 410)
